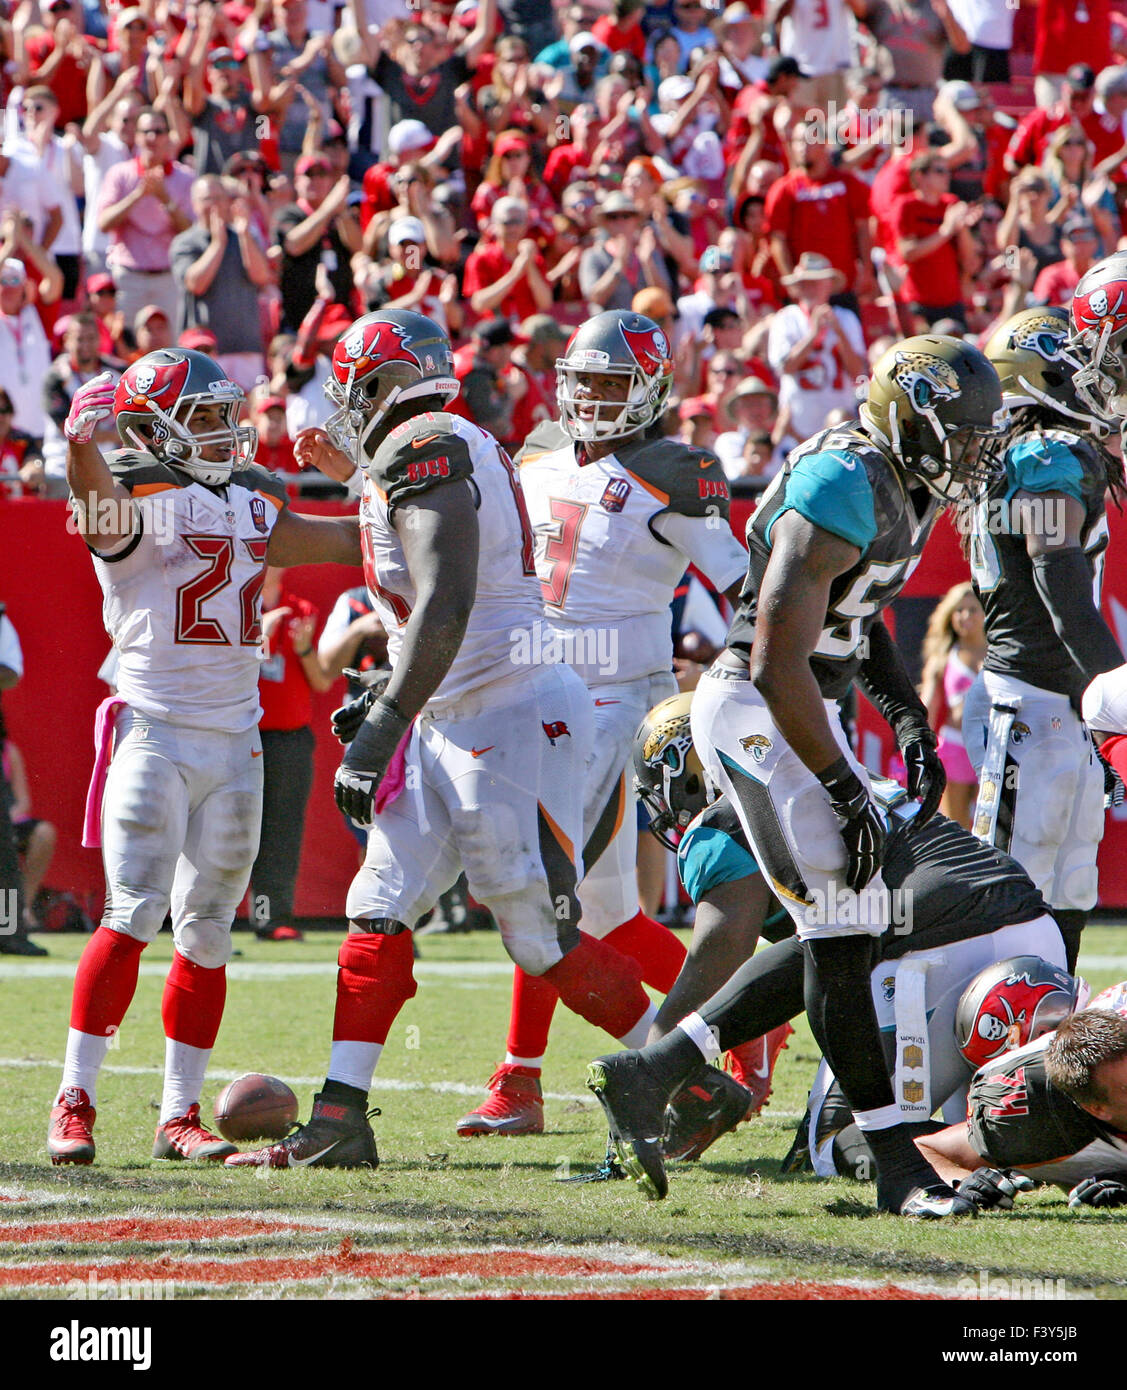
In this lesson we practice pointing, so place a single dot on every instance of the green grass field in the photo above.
(428, 1221)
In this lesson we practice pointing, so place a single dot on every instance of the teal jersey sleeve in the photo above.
(707, 857)
(832, 490)
(1037, 463)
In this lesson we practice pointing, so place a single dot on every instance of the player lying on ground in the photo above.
(180, 526)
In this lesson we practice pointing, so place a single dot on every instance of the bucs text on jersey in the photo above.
(841, 482)
(1022, 640)
(181, 598)
(433, 450)
(613, 537)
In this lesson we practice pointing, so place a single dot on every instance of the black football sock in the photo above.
(673, 1060)
(765, 992)
(1071, 923)
(347, 1095)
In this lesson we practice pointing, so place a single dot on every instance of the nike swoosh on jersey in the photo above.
(422, 443)
(305, 1162)
(479, 752)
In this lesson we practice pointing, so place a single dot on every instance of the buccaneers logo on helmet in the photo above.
(376, 343)
(146, 382)
(650, 348)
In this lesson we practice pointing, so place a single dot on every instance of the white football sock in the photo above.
(184, 1069)
(694, 1027)
(512, 1060)
(85, 1054)
(353, 1063)
(641, 1030)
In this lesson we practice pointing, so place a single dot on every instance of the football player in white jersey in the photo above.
(618, 518)
(180, 525)
(470, 758)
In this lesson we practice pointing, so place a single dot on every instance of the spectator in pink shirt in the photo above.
(144, 203)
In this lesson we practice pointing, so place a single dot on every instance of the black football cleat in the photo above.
(710, 1105)
(634, 1104)
(337, 1136)
(932, 1203)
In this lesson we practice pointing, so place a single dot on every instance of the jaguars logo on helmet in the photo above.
(1037, 365)
(935, 403)
(669, 776)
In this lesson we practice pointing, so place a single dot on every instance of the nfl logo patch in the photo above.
(615, 495)
(913, 1056)
(913, 1092)
(258, 514)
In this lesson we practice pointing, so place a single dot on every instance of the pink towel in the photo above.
(395, 778)
(103, 737)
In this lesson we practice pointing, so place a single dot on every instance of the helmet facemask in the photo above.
(352, 426)
(170, 437)
(958, 462)
(1101, 382)
(587, 419)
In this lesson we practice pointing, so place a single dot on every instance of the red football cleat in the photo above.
(70, 1134)
(185, 1137)
(515, 1105)
(282, 933)
(753, 1063)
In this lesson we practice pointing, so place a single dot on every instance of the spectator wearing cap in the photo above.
(318, 230)
(989, 28)
(143, 204)
(221, 269)
(275, 447)
(1076, 104)
(690, 28)
(542, 341)
(572, 19)
(410, 145)
(1079, 242)
(816, 350)
(217, 100)
(933, 243)
(61, 57)
(405, 281)
(817, 208)
(752, 408)
(198, 340)
(691, 109)
(1068, 32)
(58, 159)
(79, 362)
(759, 115)
(130, 55)
(489, 390)
(741, 58)
(697, 417)
(152, 330)
(577, 80)
(406, 61)
(710, 288)
(101, 293)
(416, 197)
(627, 259)
(17, 241)
(311, 74)
(914, 36)
(505, 274)
(25, 355)
(510, 172)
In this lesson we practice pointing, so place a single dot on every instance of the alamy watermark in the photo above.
(545, 645)
(890, 126)
(96, 516)
(839, 906)
(1026, 516)
(988, 1286)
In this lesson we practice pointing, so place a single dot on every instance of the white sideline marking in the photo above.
(260, 970)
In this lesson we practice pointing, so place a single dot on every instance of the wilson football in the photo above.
(255, 1107)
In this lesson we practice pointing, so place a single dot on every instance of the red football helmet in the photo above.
(1099, 328)
(156, 400)
(384, 359)
(617, 343)
(1013, 1002)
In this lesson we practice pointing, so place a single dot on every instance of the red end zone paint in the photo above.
(757, 1292)
(90, 1232)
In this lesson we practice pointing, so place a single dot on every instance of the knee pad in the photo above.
(205, 943)
(535, 949)
(1044, 809)
(140, 918)
(812, 826)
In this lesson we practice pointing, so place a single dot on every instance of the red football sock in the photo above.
(375, 979)
(534, 1003)
(660, 954)
(601, 985)
(191, 1008)
(105, 982)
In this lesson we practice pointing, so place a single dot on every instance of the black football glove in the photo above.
(366, 760)
(1114, 791)
(347, 719)
(861, 824)
(993, 1188)
(1098, 1191)
(926, 775)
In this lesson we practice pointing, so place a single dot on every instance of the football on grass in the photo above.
(255, 1107)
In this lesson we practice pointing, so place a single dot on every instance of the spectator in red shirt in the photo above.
(505, 274)
(573, 159)
(275, 447)
(510, 171)
(1068, 33)
(622, 28)
(821, 209)
(932, 243)
(62, 58)
(753, 115)
(102, 294)
(1076, 104)
(542, 342)
(1057, 282)
(286, 679)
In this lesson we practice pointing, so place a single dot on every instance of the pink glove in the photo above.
(90, 405)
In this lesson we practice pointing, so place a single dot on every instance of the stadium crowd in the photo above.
(785, 190)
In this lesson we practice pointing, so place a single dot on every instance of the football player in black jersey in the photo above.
(832, 542)
(1055, 1111)
(1038, 537)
